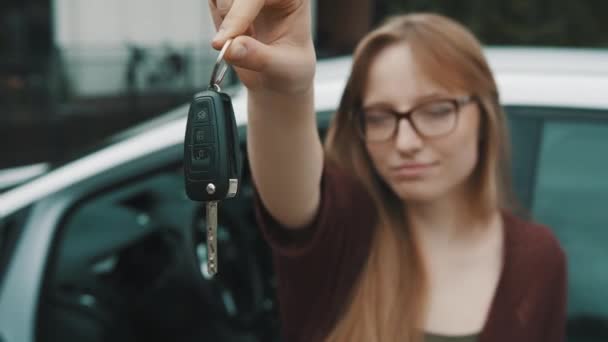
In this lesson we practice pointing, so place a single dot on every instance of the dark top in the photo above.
(317, 267)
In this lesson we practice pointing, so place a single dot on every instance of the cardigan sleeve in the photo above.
(556, 312)
(317, 266)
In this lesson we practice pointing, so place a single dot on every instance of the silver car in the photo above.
(108, 247)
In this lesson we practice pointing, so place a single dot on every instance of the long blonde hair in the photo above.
(389, 301)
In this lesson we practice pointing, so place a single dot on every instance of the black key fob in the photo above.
(212, 156)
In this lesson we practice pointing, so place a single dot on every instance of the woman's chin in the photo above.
(416, 192)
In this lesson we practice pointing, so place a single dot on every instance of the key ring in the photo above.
(216, 78)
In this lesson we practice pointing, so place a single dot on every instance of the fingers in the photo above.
(239, 15)
(215, 14)
(248, 53)
(219, 10)
(223, 6)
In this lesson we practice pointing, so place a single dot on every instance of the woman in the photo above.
(400, 228)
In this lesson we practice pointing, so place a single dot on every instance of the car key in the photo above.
(212, 161)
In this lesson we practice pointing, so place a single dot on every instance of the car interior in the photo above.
(128, 261)
(129, 265)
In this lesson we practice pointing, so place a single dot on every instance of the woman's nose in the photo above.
(407, 139)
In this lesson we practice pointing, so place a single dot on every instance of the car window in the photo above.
(525, 132)
(571, 196)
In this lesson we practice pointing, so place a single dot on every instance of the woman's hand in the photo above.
(272, 49)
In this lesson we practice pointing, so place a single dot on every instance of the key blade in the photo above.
(212, 261)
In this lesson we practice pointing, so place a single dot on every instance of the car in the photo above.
(15, 176)
(108, 247)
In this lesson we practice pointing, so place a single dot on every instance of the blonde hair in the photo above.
(388, 303)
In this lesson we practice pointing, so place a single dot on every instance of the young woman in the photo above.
(400, 227)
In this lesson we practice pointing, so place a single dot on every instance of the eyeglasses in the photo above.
(430, 119)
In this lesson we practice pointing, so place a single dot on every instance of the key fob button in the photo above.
(202, 158)
(202, 115)
(202, 134)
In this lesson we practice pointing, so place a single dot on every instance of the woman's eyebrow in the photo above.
(378, 104)
(417, 100)
(430, 96)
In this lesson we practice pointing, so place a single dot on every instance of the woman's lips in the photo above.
(412, 170)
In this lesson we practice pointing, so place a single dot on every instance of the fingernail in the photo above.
(238, 51)
(219, 36)
(223, 4)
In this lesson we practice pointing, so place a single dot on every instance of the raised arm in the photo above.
(273, 55)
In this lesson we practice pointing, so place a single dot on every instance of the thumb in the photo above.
(247, 53)
(240, 16)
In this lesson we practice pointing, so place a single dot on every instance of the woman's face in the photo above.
(418, 168)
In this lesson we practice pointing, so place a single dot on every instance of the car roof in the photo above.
(525, 76)
(551, 76)
(562, 77)
(548, 60)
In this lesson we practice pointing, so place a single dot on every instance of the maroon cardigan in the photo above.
(317, 269)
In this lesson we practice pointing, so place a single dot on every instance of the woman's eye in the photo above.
(376, 117)
(438, 110)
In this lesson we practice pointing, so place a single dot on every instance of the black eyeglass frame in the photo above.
(458, 102)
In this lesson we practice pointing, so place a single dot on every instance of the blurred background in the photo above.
(72, 72)
(110, 248)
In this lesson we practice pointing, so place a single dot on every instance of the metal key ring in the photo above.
(216, 78)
